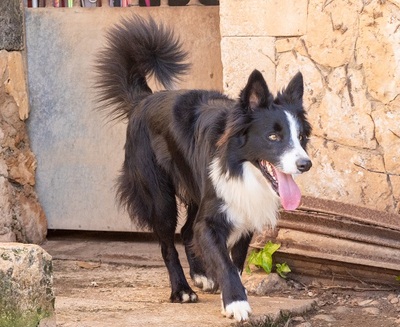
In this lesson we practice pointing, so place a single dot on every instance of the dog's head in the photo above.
(275, 136)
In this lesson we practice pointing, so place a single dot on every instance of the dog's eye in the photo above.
(274, 137)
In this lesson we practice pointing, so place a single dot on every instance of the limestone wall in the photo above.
(349, 54)
(21, 216)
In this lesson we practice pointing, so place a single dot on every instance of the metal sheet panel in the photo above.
(78, 155)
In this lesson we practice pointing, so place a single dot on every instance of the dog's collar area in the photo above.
(269, 173)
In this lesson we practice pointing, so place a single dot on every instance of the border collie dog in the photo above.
(230, 162)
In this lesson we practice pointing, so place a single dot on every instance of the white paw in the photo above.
(192, 297)
(203, 282)
(239, 310)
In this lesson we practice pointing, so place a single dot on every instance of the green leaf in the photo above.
(250, 258)
(398, 278)
(266, 261)
(253, 259)
(282, 269)
(263, 258)
(271, 248)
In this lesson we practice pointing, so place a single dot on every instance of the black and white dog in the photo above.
(230, 162)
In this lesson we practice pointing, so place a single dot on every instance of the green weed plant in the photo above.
(263, 259)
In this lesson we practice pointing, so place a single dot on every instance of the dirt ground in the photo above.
(108, 282)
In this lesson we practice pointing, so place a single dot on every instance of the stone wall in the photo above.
(349, 54)
(21, 216)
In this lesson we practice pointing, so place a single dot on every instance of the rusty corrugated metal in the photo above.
(338, 242)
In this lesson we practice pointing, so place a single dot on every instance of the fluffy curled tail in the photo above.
(136, 49)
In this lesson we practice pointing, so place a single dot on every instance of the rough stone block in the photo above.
(6, 220)
(16, 84)
(395, 183)
(241, 55)
(286, 44)
(263, 17)
(238, 18)
(378, 48)
(352, 175)
(286, 17)
(387, 133)
(11, 22)
(341, 112)
(332, 31)
(22, 218)
(264, 284)
(26, 286)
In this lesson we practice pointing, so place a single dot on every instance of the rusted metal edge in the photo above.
(318, 256)
(356, 213)
(340, 227)
(341, 250)
(325, 272)
(329, 240)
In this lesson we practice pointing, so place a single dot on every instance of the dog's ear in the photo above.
(256, 93)
(295, 89)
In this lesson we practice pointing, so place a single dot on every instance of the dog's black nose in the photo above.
(303, 165)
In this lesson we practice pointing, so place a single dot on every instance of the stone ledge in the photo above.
(26, 286)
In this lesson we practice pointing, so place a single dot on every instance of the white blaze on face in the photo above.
(295, 152)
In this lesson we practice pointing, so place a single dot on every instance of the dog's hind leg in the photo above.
(164, 227)
(197, 271)
(180, 289)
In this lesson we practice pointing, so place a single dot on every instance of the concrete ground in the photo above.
(111, 282)
(119, 280)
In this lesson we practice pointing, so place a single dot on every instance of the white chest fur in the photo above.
(249, 200)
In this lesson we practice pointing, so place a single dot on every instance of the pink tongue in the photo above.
(288, 191)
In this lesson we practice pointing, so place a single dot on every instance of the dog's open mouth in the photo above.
(283, 184)
(269, 173)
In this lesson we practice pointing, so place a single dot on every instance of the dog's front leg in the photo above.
(211, 235)
(239, 251)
